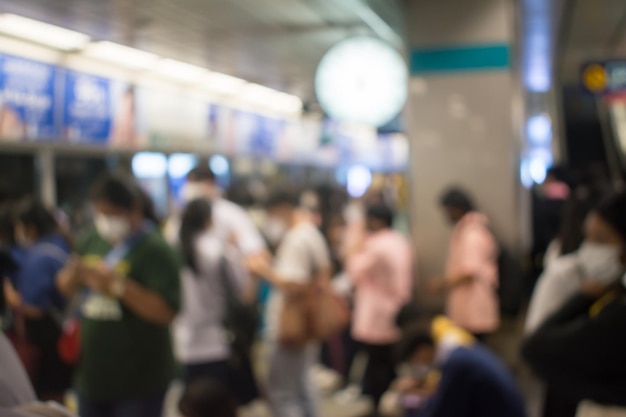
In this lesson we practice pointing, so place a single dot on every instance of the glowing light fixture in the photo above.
(179, 164)
(180, 71)
(222, 83)
(121, 55)
(43, 33)
(219, 165)
(149, 165)
(257, 94)
(358, 180)
(539, 129)
(286, 103)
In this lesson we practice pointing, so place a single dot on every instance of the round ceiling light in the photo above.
(362, 80)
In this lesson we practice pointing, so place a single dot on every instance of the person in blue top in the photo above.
(452, 375)
(35, 295)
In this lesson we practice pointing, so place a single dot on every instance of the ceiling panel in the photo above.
(593, 29)
(275, 42)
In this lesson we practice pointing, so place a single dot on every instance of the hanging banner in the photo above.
(27, 97)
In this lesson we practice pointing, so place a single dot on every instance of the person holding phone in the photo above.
(129, 278)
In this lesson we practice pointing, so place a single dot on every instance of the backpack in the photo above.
(511, 283)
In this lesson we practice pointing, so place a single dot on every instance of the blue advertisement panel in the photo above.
(263, 140)
(27, 97)
(88, 108)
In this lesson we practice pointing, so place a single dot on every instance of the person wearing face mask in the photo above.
(129, 280)
(471, 276)
(562, 278)
(381, 271)
(579, 349)
(453, 376)
(34, 296)
(230, 222)
(303, 256)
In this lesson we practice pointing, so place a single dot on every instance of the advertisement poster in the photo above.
(27, 97)
(98, 110)
(265, 136)
(169, 118)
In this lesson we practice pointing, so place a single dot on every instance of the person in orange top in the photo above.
(471, 276)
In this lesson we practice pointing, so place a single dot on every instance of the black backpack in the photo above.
(511, 283)
(241, 320)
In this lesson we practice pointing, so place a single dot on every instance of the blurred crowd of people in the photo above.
(316, 279)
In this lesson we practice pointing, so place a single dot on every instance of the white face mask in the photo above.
(274, 230)
(600, 263)
(112, 228)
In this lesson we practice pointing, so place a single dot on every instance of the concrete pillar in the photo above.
(463, 96)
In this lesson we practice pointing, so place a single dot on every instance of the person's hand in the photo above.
(404, 385)
(101, 279)
(259, 265)
(12, 297)
(436, 286)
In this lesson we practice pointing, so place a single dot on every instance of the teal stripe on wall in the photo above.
(462, 58)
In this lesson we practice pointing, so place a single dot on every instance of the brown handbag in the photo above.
(313, 313)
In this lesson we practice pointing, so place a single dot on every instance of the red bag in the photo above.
(69, 342)
(28, 353)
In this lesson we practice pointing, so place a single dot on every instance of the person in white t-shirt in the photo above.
(201, 340)
(231, 223)
(301, 255)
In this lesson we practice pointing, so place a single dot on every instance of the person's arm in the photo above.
(156, 298)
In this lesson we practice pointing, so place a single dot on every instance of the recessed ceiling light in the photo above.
(43, 33)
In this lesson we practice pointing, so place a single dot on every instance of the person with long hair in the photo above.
(34, 295)
(131, 277)
(201, 339)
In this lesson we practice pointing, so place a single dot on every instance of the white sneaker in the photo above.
(348, 395)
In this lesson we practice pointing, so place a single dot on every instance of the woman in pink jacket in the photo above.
(382, 273)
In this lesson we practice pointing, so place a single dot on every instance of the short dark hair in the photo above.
(457, 198)
(201, 173)
(380, 212)
(118, 189)
(613, 211)
(283, 196)
(205, 397)
(32, 212)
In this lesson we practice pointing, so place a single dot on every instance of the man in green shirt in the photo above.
(132, 277)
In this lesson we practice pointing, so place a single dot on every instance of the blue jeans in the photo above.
(139, 407)
(289, 387)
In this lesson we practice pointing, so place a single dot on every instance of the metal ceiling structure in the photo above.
(590, 30)
(277, 43)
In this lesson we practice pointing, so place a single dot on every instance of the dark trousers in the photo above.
(380, 371)
(238, 377)
(151, 406)
(217, 370)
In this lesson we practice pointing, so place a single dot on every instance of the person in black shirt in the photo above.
(580, 349)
